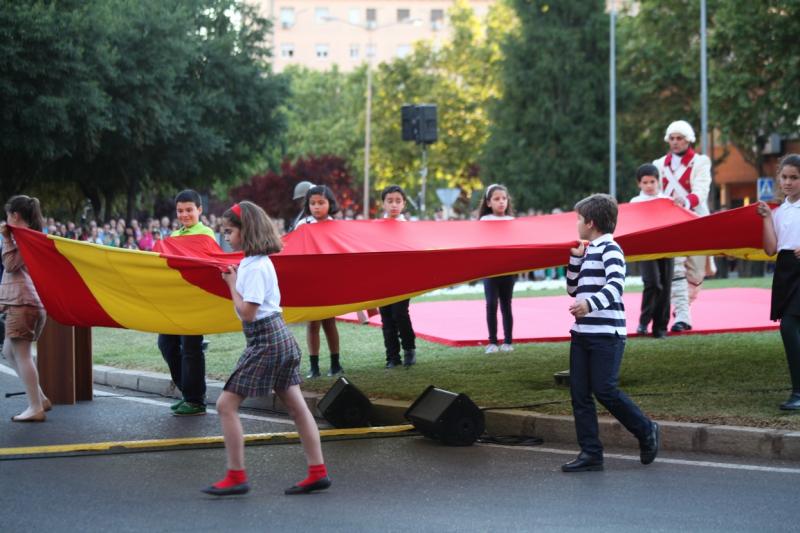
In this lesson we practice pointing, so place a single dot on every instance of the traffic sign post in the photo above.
(766, 189)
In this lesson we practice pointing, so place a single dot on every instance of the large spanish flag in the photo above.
(338, 267)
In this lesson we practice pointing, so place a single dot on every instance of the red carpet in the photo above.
(463, 322)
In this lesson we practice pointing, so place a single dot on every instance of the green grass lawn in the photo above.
(733, 378)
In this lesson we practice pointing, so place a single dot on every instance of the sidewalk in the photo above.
(676, 436)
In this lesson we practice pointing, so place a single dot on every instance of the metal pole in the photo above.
(703, 80)
(367, 135)
(612, 122)
(424, 173)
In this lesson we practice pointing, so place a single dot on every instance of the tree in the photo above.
(460, 77)
(145, 95)
(658, 77)
(756, 73)
(51, 95)
(273, 191)
(549, 137)
(324, 113)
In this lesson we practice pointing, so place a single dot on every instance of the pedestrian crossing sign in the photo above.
(766, 189)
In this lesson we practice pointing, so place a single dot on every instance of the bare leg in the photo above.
(331, 334)
(8, 352)
(26, 370)
(228, 409)
(312, 337)
(293, 399)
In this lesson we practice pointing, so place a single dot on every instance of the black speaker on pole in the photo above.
(408, 115)
(344, 406)
(428, 130)
(451, 418)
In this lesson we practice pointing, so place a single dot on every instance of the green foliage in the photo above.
(459, 77)
(755, 73)
(658, 74)
(51, 96)
(324, 114)
(549, 132)
(122, 96)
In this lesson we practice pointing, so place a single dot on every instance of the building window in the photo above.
(372, 17)
(403, 50)
(287, 17)
(437, 19)
(403, 15)
(371, 50)
(354, 16)
(354, 51)
(321, 15)
(287, 51)
(322, 51)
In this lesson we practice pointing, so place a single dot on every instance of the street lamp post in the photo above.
(368, 122)
(369, 28)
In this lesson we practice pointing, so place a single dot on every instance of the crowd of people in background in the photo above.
(136, 235)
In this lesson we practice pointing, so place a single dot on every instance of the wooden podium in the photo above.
(65, 362)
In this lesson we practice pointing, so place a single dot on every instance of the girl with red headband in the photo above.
(271, 360)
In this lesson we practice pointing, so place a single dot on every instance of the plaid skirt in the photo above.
(270, 361)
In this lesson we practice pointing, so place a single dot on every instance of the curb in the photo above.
(676, 436)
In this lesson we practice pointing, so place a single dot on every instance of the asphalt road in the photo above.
(379, 484)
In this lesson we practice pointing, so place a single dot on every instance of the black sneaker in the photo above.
(641, 330)
(393, 363)
(313, 373)
(335, 371)
(681, 326)
(409, 358)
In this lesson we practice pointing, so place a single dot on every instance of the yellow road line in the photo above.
(191, 441)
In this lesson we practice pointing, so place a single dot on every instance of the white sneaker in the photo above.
(506, 348)
(492, 348)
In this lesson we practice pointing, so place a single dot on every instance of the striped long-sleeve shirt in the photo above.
(599, 278)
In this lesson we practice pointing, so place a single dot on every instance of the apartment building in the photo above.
(321, 33)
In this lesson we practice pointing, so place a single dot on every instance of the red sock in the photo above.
(233, 477)
(315, 473)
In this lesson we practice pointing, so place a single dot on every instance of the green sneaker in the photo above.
(176, 404)
(189, 409)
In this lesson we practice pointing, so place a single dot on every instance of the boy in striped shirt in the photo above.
(596, 278)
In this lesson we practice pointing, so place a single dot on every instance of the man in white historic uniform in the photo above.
(686, 178)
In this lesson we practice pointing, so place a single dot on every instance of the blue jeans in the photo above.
(187, 364)
(594, 362)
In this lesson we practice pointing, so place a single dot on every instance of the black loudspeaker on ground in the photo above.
(446, 416)
(344, 406)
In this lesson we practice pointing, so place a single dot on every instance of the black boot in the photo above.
(314, 372)
(336, 368)
(393, 361)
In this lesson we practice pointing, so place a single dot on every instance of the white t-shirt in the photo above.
(309, 220)
(492, 216)
(257, 282)
(786, 219)
(400, 218)
(646, 197)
